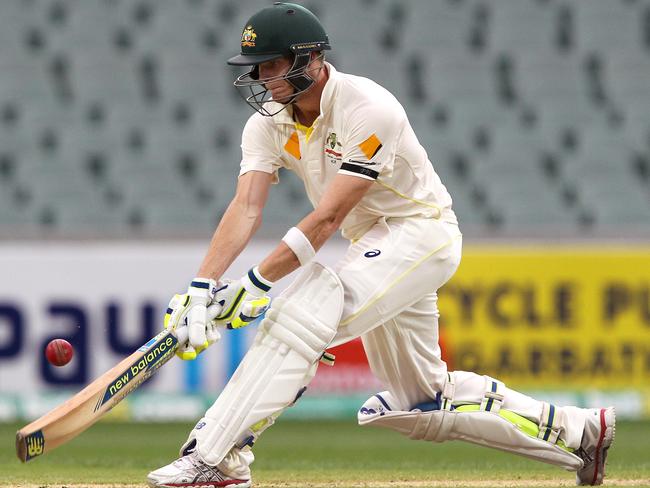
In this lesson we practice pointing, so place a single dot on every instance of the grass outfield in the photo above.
(314, 455)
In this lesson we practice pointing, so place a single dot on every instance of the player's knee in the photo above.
(295, 322)
(290, 324)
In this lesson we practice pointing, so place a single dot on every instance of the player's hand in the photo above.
(187, 316)
(243, 300)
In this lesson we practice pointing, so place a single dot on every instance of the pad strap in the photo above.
(448, 392)
(549, 429)
(493, 396)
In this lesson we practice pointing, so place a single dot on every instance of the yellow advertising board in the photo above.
(552, 316)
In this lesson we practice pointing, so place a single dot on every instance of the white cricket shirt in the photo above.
(362, 131)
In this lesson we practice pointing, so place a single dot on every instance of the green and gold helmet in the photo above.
(282, 29)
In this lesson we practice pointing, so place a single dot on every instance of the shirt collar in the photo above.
(326, 99)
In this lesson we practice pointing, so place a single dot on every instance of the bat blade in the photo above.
(75, 415)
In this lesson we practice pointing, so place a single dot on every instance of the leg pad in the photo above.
(300, 324)
(494, 427)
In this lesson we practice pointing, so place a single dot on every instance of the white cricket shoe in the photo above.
(598, 436)
(190, 471)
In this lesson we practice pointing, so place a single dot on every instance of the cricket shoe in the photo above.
(596, 440)
(190, 471)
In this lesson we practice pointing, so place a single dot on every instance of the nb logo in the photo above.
(200, 425)
(373, 253)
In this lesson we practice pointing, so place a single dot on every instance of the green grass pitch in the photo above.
(311, 454)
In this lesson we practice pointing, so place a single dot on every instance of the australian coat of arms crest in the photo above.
(248, 36)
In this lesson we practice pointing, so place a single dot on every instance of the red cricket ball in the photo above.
(59, 352)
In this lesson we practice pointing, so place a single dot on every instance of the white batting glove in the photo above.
(243, 300)
(187, 315)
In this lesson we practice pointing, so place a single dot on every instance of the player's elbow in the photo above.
(246, 212)
(250, 197)
(248, 206)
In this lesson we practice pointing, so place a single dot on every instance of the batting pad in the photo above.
(298, 327)
(499, 429)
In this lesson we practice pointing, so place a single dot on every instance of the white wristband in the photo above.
(255, 283)
(300, 245)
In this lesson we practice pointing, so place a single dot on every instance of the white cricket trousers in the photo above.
(391, 276)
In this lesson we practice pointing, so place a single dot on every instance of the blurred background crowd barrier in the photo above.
(119, 150)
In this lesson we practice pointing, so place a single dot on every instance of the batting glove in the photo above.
(243, 300)
(187, 315)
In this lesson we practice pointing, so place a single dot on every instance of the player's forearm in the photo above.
(341, 197)
(317, 227)
(239, 223)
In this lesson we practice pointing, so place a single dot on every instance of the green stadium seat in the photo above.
(514, 142)
(604, 25)
(607, 174)
(447, 26)
(24, 80)
(543, 78)
(523, 26)
(601, 142)
(118, 116)
(524, 200)
(15, 221)
(152, 184)
(470, 215)
(637, 126)
(616, 202)
(105, 80)
(461, 78)
(556, 116)
(627, 73)
(468, 114)
(283, 211)
(184, 220)
(69, 219)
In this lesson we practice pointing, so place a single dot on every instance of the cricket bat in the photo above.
(81, 411)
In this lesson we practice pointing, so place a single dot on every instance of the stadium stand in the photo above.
(119, 118)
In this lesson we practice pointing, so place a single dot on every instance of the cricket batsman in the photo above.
(365, 173)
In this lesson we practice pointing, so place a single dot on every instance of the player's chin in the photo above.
(282, 96)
